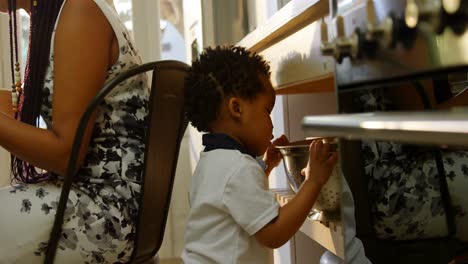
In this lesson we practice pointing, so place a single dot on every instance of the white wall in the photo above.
(300, 105)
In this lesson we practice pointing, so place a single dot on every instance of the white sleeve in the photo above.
(247, 199)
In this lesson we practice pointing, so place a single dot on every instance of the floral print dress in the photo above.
(404, 188)
(99, 222)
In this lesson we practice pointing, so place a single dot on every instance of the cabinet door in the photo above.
(307, 251)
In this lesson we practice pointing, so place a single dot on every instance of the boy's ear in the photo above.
(235, 107)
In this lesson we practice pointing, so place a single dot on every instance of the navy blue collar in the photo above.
(214, 141)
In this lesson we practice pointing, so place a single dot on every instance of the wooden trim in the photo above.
(321, 84)
(291, 18)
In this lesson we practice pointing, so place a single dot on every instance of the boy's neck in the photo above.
(213, 141)
(224, 124)
(227, 132)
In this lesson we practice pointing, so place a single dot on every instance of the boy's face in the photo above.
(256, 123)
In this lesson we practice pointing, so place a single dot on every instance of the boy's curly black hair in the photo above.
(217, 74)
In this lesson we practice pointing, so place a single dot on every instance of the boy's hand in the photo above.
(321, 163)
(291, 216)
(272, 156)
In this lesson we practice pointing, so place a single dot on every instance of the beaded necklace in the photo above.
(16, 87)
(17, 83)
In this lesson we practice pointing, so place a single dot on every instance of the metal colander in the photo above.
(295, 158)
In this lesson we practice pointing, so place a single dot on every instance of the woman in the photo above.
(405, 190)
(75, 47)
(403, 179)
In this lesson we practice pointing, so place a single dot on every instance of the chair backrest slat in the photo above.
(166, 128)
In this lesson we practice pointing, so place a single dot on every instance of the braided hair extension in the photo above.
(43, 17)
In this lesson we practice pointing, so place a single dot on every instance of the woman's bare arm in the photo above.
(82, 54)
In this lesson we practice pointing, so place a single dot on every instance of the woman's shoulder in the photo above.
(82, 17)
(86, 10)
(83, 5)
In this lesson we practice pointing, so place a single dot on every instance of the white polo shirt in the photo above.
(230, 202)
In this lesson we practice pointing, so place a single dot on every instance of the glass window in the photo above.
(172, 30)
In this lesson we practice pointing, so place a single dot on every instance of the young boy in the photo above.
(233, 217)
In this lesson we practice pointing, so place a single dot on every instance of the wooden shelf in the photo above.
(330, 237)
(292, 17)
(321, 84)
(440, 128)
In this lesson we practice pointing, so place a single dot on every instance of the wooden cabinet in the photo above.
(290, 41)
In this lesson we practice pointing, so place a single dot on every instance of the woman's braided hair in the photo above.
(43, 17)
